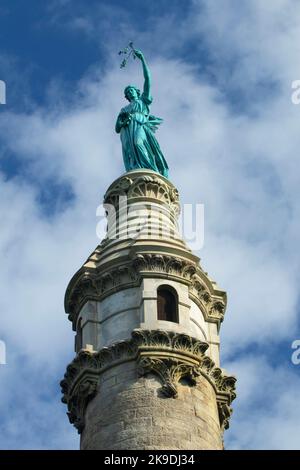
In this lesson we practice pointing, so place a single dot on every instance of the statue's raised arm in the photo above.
(147, 76)
(136, 126)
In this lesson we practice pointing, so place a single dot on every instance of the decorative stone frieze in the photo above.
(90, 284)
(142, 186)
(169, 355)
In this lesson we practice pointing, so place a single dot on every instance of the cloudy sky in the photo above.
(222, 80)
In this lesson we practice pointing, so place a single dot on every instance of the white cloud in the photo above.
(266, 413)
(32, 416)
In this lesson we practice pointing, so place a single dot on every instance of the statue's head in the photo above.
(131, 92)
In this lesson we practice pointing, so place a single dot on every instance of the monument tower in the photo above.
(146, 374)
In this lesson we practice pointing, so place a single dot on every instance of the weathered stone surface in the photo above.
(177, 361)
(124, 260)
(138, 417)
(138, 382)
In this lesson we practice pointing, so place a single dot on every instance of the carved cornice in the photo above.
(171, 356)
(145, 186)
(81, 380)
(95, 285)
(90, 284)
(155, 262)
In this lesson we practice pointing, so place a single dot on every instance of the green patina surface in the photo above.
(136, 127)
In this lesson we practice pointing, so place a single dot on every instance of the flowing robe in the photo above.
(139, 145)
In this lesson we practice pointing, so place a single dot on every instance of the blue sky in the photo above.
(222, 73)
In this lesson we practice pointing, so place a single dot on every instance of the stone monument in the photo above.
(146, 374)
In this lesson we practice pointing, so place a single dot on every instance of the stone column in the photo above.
(138, 382)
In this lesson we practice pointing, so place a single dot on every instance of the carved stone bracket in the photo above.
(170, 371)
(80, 382)
(169, 355)
(85, 391)
(224, 411)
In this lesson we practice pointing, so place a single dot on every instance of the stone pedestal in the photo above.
(140, 381)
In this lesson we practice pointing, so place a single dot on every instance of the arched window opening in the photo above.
(167, 304)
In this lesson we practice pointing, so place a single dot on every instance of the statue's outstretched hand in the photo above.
(138, 54)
